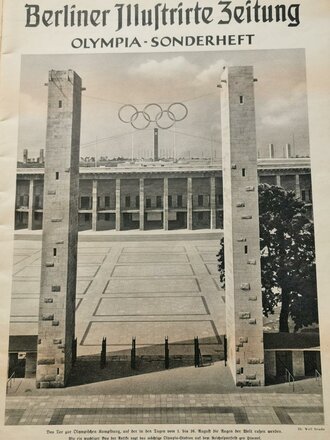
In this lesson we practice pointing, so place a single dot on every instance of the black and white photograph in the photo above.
(164, 259)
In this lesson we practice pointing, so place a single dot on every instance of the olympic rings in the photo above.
(122, 108)
(148, 106)
(184, 109)
(171, 117)
(136, 116)
(163, 118)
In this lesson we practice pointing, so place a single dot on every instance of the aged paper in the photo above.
(150, 66)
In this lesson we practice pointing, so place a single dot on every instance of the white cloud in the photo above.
(168, 68)
(284, 110)
(211, 74)
(33, 103)
(277, 120)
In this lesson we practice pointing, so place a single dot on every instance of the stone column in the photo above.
(297, 190)
(278, 180)
(270, 364)
(213, 206)
(298, 363)
(141, 204)
(165, 204)
(271, 151)
(56, 329)
(189, 203)
(287, 151)
(155, 145)
(31, 203)
(30, 365)
(118, 213)
(244, 319)
(94, 205)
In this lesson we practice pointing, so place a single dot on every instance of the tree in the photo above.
(288, 273)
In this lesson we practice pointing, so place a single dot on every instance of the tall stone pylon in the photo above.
(60, 230)
(244, 325)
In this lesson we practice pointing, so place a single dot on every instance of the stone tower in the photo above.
(155, 155)
(244, 326)
(60, 230)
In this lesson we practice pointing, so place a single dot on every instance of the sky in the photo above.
(112, 80)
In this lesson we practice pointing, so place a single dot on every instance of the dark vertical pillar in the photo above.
(25, 155)
(155, 144)
(103, 358)
(133, 354)
(167, 354)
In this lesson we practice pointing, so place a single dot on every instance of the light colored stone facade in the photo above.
(60, 230)
(241, 227)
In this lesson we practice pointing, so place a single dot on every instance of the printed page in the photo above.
(164, 220)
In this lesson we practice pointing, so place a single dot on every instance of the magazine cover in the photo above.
(164, 220)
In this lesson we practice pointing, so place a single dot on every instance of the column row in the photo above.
(162, 206)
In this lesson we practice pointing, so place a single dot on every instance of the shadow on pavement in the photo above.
(149, 359)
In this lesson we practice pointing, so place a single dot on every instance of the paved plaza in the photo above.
(132, 289)
(147, 289)
(272, 409)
